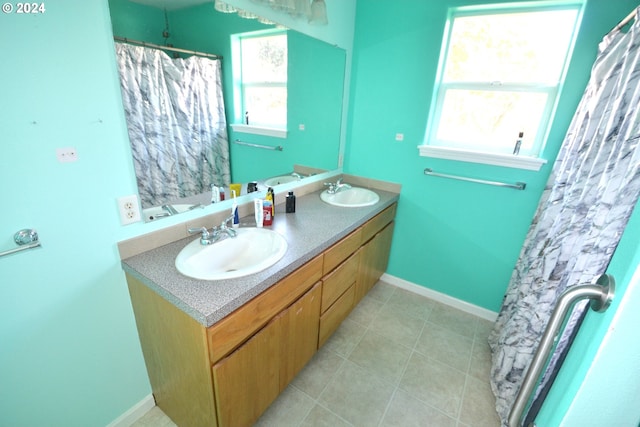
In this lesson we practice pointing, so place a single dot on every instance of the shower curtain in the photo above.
(588, 199)
(176, 122)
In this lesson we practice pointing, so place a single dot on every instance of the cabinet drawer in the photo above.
(378, 222)
(234, 329)
(336, 282)
(341, 250)
(332, 318)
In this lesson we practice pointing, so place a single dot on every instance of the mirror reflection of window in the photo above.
(263, 85)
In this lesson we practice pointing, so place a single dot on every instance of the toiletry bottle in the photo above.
(290, 203)
(234, 211)
(272, 198)
(215, 194)
(221, 193)
(267, 209)
(258, 212)
(516, 149)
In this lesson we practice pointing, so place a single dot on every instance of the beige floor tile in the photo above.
(479, 405)
(365, 311)
(345, 338)
(289, 409)
(383, 357)
(405, 411)
(445, 346)
(382, 291)
(411, 304)
(453, 319)
(318, 372)
(483, 328)
(357, 395)
(434, 383)
(154, 418)
(397, 326)
(480, 365)
(322, 417)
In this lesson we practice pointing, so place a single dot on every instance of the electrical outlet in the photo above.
(399, 137)
(129, 209)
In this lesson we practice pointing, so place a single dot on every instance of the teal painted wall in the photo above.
(458, 238)
(69, 350)
(316, 75)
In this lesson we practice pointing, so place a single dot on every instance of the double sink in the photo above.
(254, 249)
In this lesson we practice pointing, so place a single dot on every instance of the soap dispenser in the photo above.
(290, 203)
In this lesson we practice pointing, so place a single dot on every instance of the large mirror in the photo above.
(314, 99)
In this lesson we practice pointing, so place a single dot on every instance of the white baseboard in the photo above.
(440, 297)
(134, 413)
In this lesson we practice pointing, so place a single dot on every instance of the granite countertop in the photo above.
(314, 227)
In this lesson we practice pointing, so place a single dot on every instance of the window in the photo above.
(499, 75)
(262, 79)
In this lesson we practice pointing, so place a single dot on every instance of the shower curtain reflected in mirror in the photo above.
(176, 122)
(583, 211)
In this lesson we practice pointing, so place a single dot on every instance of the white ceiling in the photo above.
(172, 4)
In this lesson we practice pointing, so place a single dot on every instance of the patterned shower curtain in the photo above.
(583, 211)
(176, 122)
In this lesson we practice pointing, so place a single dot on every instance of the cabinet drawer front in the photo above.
(341, 251)
(336, 282)
(332, 318)
(234, 329)
(378, 222)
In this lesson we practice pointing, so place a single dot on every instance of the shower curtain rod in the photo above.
(172, 49)
(625, 21)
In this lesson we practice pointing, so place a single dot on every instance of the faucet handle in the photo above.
(202, 230)
(224, 223)
(331, 185)
(206, 237)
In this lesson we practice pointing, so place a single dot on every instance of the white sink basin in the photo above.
(251, 251)
(282, 179)
(353, 197)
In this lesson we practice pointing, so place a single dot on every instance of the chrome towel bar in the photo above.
(601, 294)
(516, 186)
(266, 147)
(25, 239)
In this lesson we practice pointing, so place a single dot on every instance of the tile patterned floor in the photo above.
(399, 359)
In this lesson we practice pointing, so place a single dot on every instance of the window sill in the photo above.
(506, 160)
(260, 130)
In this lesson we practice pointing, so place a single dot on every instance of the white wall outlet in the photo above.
(129, 208)
(399, 137)
(67, 154)
(301, 126)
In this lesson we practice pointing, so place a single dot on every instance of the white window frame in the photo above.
(452, 152)
(239, 124)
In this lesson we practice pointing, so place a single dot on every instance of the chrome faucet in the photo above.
(169, 209)
(337, 186)
(217, 233)
(225, 228)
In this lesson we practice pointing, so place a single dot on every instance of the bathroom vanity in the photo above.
(218, 353)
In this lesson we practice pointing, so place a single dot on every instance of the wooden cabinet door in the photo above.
(374, 260)
(299, 334)
(247, 381)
